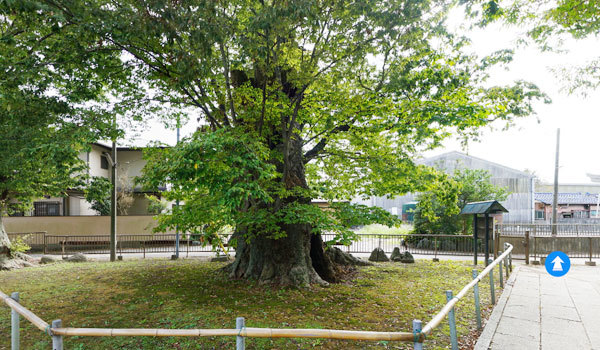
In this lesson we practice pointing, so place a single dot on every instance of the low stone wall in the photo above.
(80, 225)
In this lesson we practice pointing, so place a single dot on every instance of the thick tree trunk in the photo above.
(297, 259)
(4, 241)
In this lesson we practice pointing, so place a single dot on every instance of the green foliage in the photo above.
(438, 210)
(548, 23)
(17, 246)
(297, 99)
(98, 194)
(155, 205)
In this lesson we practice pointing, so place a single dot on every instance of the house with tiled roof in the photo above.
(572, 205)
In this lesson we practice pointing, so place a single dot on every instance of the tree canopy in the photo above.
(548, 23)
(298, 100)
(438, 209)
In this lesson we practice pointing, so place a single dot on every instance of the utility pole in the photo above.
(113, 203)
(176, 256)
(555, 198)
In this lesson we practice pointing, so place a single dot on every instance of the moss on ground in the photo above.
(194, 294)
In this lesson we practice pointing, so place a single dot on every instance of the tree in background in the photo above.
(298, 100)
(438, 210)
(97, 193)
(53, 89)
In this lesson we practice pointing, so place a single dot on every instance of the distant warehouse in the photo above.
(521, 186)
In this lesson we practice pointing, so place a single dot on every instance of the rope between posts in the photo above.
(418, 336)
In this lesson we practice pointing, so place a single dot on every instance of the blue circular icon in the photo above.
(558, 264)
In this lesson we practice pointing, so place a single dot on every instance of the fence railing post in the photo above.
(417, 326)
(57, 340)
(492, 291)
(240, 342)
(476, 295)
(527, 247)
(45, 243)
(590, 262)
(501, 275)
(14, 323)
(505, 261)
(452, 323)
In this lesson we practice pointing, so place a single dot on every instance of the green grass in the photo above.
(403, 229)
(194, 294)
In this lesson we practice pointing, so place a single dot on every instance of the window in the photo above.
(103, 162)
(539, 215)
(46, 209)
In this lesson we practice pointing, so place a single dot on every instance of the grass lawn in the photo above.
(194, 294)
(378, 229)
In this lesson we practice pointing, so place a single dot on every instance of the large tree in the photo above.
(299, 99)
(48, 79)
(438, 209)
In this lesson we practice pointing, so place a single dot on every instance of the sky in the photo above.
(531, 143)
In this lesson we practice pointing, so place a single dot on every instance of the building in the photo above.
(521, 185)
(570, 206)
(130, 163)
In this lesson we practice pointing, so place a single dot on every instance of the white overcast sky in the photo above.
(531, 143)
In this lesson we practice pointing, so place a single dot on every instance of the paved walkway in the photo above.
(538, 311)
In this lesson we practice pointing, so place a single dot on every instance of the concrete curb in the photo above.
(485, 339)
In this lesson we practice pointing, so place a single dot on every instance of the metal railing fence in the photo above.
(538, 230)
(35, 240)
(417, 336)
(165, 243)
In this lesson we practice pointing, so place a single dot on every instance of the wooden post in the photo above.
(240, 343)
(505, 261)
(45, 244)
(487, 239)
(417, 326)
(452, 323)
(14, 323)
(590, 262)
(144, 248)
(501, 275)
(57, 340)
(526, 247)
(492, 291)
(475, 239)
(496, 243)
(477, 305)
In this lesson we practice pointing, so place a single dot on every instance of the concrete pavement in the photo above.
(538, 311)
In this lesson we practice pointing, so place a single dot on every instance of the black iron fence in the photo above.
(165, 243)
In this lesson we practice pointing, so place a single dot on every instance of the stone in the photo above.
(48, 259)
(378, 255)
(222, 258)
(396, 255)
(407, 258)
(77, 257)
(8, 264)
(423, 244)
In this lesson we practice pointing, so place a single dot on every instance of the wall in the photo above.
(80, 225)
